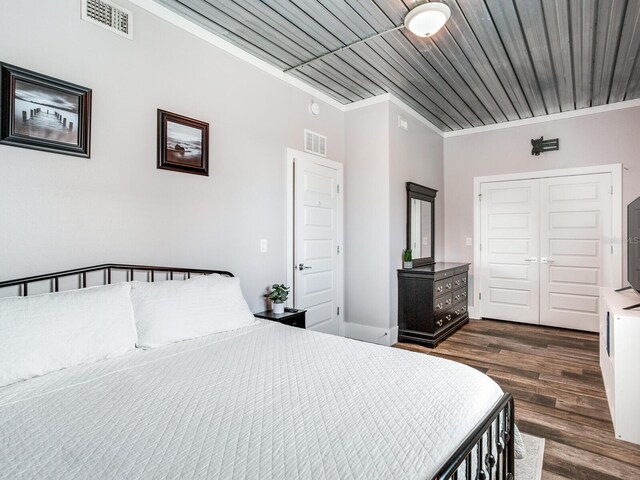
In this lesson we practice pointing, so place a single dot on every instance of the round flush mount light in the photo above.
(426, 19)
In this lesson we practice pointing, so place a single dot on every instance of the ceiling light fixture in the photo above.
(426, 19)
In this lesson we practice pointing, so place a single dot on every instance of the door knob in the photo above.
(532, 259)
(302, 266)
(546, 260)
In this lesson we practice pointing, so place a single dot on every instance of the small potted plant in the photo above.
(278, 295)
(407, 259)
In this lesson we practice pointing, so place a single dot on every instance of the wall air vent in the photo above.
(315, 143)
(108, 15)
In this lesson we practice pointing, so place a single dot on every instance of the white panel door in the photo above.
(575, 249)
(318, 229)
(509, 250)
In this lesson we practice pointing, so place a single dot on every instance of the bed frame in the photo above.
(486, 454)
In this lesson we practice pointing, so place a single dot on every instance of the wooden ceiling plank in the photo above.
(239, 29)
(305, 22)
(405, 49)
(343, 12)
(460, 31)
(373, 14)
(393, 85)
(441, 64)
(583, 24)
(392, 9)
(205, 22)
(633, 88)
(278, 21)
(535, 32)
(610, 18)
(320, 86)
(337, 63)
(418, 86)
(327, 20)
(326, 74)
(628, 52)
(556, 14)
(482, 25)
(454, 54)
(507, 23)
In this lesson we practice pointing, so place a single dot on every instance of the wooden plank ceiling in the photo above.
(495, 60)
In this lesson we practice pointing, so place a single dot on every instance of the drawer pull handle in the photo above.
(458, 297)
(439, 306)
(464, 280)
(448, 302)
(439, 322)
(449, 286)
(439, 289)
(448, 318)
(457, 282)
(464, 309)
(464, 294)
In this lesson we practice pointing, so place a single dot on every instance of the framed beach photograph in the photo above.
(44, 113)
(183, 144)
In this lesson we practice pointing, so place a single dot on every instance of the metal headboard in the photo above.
(108, 270)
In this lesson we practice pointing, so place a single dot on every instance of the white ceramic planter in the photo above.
(407, 265)
(278, 307)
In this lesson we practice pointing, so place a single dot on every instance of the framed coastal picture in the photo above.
(183, 144)
(44, 113)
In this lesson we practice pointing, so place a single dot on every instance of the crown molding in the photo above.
(546, 118)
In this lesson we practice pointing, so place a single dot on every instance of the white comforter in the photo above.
(262, 402)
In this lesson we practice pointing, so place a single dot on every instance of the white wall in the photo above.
(59, 212)
(366, 179)
(598, 139)
(381, 158)
(415, 155)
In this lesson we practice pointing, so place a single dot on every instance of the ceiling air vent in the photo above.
(315, 143)
(108, 15)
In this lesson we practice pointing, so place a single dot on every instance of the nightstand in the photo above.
(289, 317)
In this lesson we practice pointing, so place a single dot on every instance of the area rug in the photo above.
(530, 467)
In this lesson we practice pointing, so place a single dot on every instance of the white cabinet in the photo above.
(620, 360)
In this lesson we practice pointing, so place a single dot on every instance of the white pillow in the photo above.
(174, 310)
(43, 333)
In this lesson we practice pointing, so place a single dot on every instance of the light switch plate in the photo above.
(263, 245)
(469, 241)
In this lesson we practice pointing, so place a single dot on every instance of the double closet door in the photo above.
(546, 249)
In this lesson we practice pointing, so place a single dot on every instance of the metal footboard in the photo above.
(488, 452)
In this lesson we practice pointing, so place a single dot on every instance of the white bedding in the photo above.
(261, 402)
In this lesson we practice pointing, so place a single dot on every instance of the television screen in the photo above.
(633, 230)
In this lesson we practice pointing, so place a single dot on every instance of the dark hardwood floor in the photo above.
(555, 377)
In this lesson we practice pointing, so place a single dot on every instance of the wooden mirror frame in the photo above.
(427, 194)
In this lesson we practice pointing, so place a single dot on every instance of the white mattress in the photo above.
(261, 402)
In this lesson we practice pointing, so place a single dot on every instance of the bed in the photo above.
(262, 401)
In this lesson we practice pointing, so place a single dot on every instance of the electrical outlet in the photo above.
(263, 245)
(469, 241)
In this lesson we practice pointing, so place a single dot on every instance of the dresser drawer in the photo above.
(459, 309)
(443, 303)
(460, 281)
(443, 319)
(460, 296)
(443, 287)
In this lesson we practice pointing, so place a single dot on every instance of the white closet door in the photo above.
(575, 249)
(509, 250)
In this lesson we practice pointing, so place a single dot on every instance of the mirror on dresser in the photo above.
(421, 223)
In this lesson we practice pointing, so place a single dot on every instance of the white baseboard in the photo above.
(473, 313)
(370, 334)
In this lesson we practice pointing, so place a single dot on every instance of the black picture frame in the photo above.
(183, 144)
(44, 113)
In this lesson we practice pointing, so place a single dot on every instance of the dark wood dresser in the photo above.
(432, 302)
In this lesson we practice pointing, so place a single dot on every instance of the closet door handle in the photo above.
(546, 260)
(532, 259)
